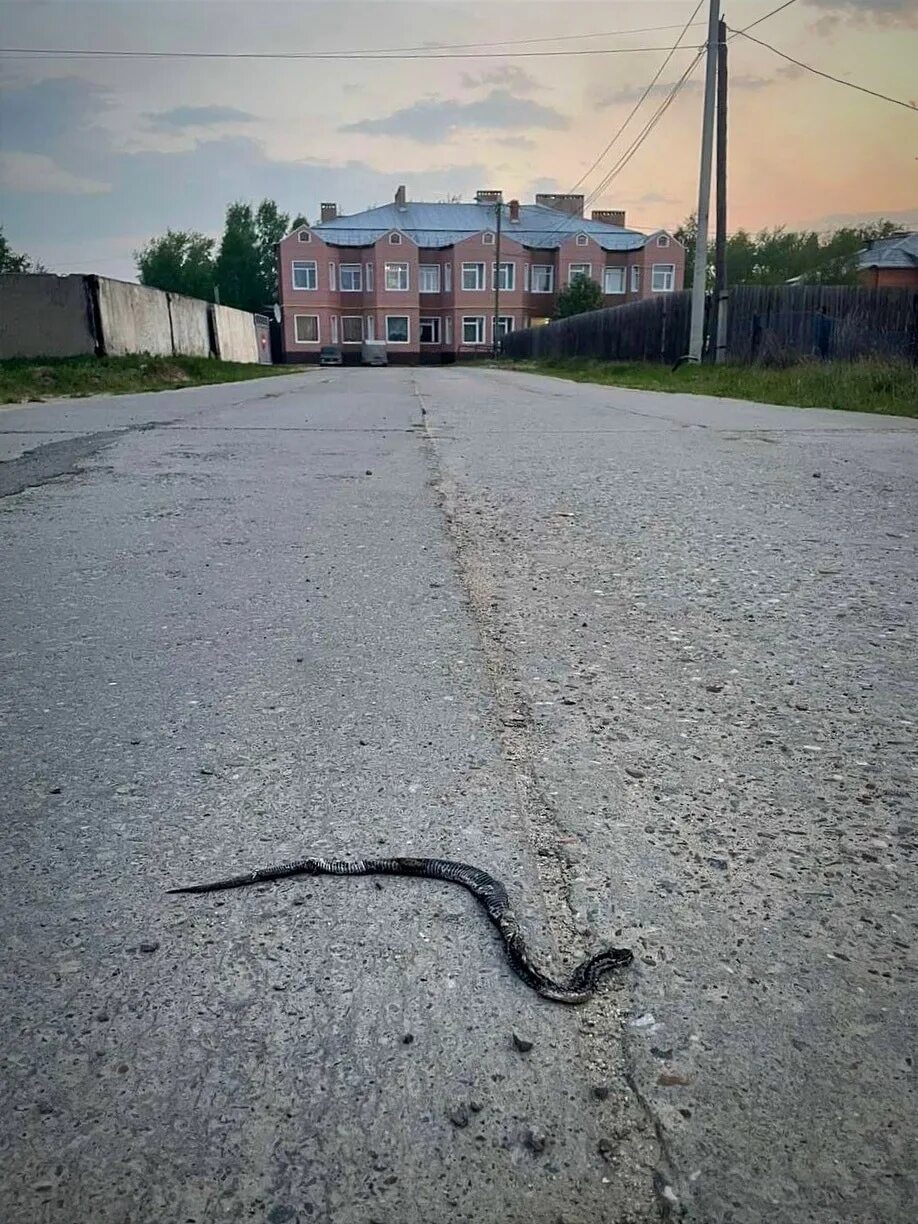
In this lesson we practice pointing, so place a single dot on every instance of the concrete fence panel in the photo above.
(190, 327)
(134, 319)
(44, 316)
(235, 332)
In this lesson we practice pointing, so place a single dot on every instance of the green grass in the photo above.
(22, 381)
(856, 386)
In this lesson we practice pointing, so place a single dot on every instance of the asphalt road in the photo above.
(650, 659)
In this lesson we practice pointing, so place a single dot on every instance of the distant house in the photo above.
(890, 263)
(421, 277)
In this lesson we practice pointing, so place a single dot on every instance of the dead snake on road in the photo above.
(490, 892)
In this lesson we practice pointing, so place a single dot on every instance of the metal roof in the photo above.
(901, 252)
(442, 225)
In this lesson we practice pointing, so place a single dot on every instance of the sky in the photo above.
(99, 154)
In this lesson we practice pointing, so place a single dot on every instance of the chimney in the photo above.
(400, 197)
(329, 211)
(609, 216)
(488, 197)
(570, 204)
(514, 210)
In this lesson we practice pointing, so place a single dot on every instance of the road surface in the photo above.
(650, 659)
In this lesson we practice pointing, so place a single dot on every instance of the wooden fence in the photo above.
(767, 323)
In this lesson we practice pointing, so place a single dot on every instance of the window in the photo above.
(397, 329)
(663, 278)
(473, 276)
(351, 329)
(613, 280)
(395, 239)
(331, 276)
(487, 238)
(305, 274)
(578, 270)
(543, 278)
(636, 279)
(663, 240)
(448, 329)
(306, 329)
(396, 276)
(448, 277)
(304, 236)
(369, 278)
(504, 324)
(582, 240)
(371, 327)
(507, 276)
(430, 331)
(351, 278)
(429, 278)
(473, 329)
(334, 329)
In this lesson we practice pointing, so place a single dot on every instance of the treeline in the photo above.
(241, 271)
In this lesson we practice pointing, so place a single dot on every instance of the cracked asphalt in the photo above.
(649, 659)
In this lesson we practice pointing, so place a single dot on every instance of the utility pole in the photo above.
(719, 317)
(696, 334)
(499, 205)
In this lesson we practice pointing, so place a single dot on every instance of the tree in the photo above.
(581, 295)
(298, 222)
(181, 261)
(239, 265)
(270, 226)
(11, 262)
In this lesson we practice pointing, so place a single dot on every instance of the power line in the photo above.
(827, 75)
(759, 20)
(52, 52)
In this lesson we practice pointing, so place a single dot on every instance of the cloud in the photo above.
(741, 82)
(516, 142)
(438, 118)
(36, 172)
(654, 197)
(48, 116)
(198, 116)
(860, 12)
(506, 75)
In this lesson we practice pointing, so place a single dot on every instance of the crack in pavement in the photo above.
(52, 460)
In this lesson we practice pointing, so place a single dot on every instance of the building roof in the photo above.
(442, 225)
(898, 252)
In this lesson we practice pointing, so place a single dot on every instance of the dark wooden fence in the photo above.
(767, 323)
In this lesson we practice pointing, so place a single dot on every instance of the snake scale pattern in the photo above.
(579, 988)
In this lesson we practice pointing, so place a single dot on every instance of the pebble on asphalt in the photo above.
(523, 1044)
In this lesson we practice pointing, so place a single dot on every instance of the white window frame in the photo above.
(370, 332)
(635, 278)
(431, 272)
(663, 240)
(300, 265)
(407, 319)
(447, 278)
(334, 329)
(571, 273)
(481, 276)
(395, 238)
(510, 287)
(346, 319)
(448, 330)
(582, 240)
(332, 277)
(304, 236)
(667, 273)
(354, 271)
(501, 319)
(435, 319)
(369, 278)
(296, 330)
(487, 238)
(398, 288)
(479, 330)
(622, 279)
(549, 268)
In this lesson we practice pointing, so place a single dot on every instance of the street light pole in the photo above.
(699, 280)
(499, 205)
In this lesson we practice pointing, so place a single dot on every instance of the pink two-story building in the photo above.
(421, 277)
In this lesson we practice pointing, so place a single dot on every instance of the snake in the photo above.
(579, 987)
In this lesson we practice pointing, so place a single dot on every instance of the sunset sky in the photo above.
(99, 154)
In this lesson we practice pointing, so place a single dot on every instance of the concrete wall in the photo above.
(44, 316)
(134, 319)
(235, 331)
(190, 329)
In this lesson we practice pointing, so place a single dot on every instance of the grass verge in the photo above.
(855, 386)
(23, 380)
